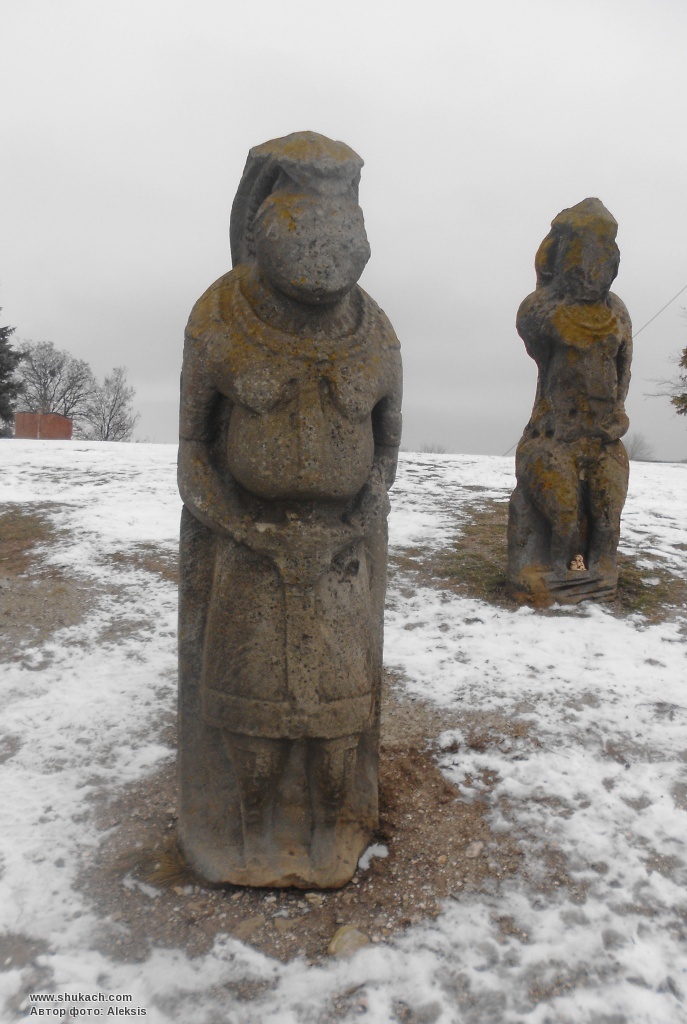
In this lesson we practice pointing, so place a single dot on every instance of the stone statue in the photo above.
(571, 466)
(289, 434)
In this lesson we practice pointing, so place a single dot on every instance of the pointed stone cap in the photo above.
(590, 214)
(310, 160)
(588, 217)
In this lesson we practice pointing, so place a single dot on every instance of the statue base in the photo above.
(285, 866)
(541, 587)
(288, 847)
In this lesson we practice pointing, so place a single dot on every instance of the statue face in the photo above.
(312, 248)
(586, 267)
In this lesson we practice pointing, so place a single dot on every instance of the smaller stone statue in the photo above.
(571, 466)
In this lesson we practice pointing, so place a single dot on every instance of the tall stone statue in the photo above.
(571, 466)
(289, 434)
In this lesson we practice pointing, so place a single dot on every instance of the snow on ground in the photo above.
(599, 772)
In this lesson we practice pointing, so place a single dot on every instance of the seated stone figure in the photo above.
(289, 433)
(571, 466)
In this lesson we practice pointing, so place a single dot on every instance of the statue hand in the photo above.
(373, 501)
(302, 551)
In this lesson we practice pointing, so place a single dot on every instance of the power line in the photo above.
(660, 311)
(634, 335)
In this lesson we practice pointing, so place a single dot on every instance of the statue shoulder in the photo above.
(619, 308)
(537, 307)
(377, 322)
(210, 311)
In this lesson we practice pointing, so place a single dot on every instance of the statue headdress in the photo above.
(305, 161)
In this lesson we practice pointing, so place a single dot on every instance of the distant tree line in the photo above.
(40, 378)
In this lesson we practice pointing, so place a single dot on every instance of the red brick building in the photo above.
(47, 426)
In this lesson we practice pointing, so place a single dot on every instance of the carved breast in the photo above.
(300, 436)
(300, 422)
(584, 358)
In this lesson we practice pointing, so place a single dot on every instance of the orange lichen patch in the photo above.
(285, 206)
(583, 325)
(573, 254)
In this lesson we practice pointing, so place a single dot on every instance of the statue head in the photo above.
(296, 217)
(579, 257)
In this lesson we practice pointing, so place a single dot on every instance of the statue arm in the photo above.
(373, 500)
(530, 324)
(624, 362)
(210, 495)
(624, 357)
(386, 426)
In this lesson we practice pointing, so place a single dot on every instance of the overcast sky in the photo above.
(126, 127)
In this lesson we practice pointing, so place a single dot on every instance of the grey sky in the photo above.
(127, 125)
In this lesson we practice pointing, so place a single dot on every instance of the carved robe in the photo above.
(294, 423)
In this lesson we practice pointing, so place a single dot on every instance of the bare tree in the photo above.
(431, 448)
(676, 390)
(53, 381)
(638, 448)
(108, 411)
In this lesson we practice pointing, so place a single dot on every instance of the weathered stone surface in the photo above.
(347, 940)
(571, 466)
(244, 929)
(289, 433)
